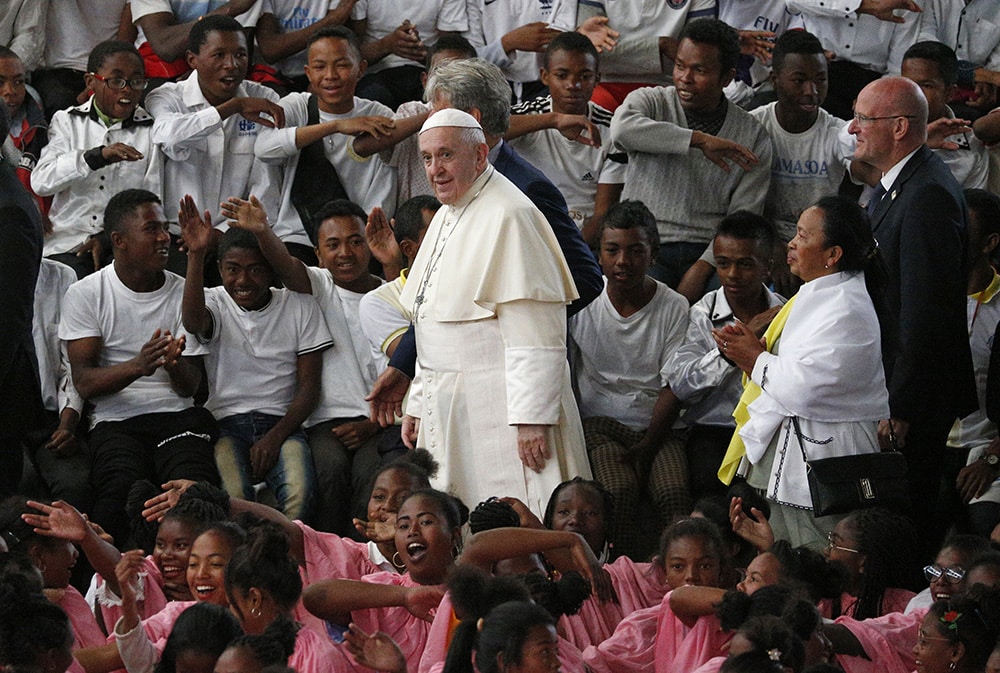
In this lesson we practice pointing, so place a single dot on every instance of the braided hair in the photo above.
(607, 500)
(886, 539)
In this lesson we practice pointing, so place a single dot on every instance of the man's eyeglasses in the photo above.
(950, 575)
(864, 119)
(831, 543)
(118, 83)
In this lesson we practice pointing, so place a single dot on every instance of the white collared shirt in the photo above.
(208, 157)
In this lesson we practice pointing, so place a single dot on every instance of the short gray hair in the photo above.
(473, 83)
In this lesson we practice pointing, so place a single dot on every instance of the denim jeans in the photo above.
(293, 477)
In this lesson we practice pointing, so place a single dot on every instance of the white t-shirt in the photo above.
(620, 363)
(185, 11)
(383, 318)
(74, 27)
(641, 23)
(101, 306)
(428, 16)
(368, 181)
(805, 166)
(576, 169)
(372, 364)
(490, 20)
(345, 377)
(253, 355)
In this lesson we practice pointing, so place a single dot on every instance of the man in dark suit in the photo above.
(919, 220)
(20, 257)
(479, 88)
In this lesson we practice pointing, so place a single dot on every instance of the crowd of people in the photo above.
(461, 335)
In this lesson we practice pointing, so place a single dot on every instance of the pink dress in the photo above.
(153, 598)
(888, 640)
(679, 648)
(638, 585)
(711, 666)
(86, 632)
(630, 648)
(439, 639)
(893, 600)
(409, 632)
(329, 556)
(314, 654)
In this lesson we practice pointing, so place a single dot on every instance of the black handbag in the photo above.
(844, 483)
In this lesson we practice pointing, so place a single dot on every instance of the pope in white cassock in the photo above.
(491, 399)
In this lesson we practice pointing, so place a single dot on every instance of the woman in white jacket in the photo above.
(817, 375)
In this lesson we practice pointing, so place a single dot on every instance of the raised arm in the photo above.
(250, 215)
(61, 520)
(197, 232)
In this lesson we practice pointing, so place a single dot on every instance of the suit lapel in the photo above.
(898, 186)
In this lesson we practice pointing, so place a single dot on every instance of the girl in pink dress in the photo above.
(958, 634)
(263, 585)
(46, 534)
(512, 552)
(693, 554)
(885, 644)
(136, 643)
(584, 506)
(428, 539)
(164, 573)
(327, 555)
(874, 547)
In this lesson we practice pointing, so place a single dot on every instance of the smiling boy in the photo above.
(130, 357)
(94, 151)
(207, 124)
(264, 364)
(567, 137)
(345, 444)
(334, 66)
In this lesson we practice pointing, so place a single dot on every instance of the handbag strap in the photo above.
(798, 435)
(802, 448)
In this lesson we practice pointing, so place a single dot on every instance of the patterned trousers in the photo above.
(667, 489)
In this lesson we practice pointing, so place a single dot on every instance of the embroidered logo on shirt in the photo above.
(247, 127)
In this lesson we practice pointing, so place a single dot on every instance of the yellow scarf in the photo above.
(751, 391)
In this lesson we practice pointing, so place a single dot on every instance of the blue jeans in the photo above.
(293, 477)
